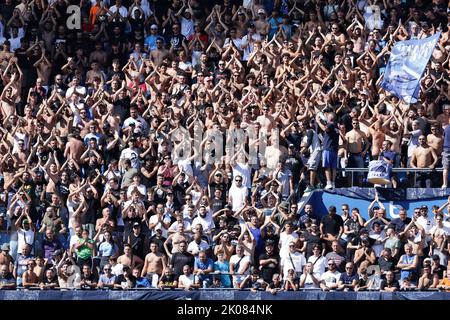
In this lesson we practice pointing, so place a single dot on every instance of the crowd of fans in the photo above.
(166, 144)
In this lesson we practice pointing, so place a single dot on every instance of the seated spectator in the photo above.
(308, 280)
(203, 267)
(276, 285)
(389, 284)
(106, 279)
(168, 280)
(88, 280)
(50, 280)
(330, 279)
(348, 279)
(7, 281)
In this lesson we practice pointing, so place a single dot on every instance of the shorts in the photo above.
(446, 160)
(314, 160)
(329, 159)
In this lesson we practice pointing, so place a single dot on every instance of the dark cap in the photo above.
(136, 224)
(435, 257)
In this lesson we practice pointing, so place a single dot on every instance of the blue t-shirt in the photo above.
(447, 138)
(331, 137)
(203, 266)
(346, 279)
(225, 278)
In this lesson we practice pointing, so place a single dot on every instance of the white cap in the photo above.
(261, 11)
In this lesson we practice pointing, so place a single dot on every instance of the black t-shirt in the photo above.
(179, 260)
(386, 265)
(91, 278)
(121, 278)
(217, 204)
(385, 284)
(312, 240)
(331, 137)
(176, 41)
(270, 269)
(159, 242)
(213, 186)
(168, 280)
(331, 224)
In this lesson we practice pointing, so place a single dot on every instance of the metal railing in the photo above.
(393, 170)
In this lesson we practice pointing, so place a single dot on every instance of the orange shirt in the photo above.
(445, 282)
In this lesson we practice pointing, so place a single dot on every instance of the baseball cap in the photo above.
(153, 26)
(261, 11)
(5, 247)
(25, 221)
(136, 224)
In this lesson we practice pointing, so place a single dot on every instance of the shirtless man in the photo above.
(444, 117)
(99, 55)
(30, 278)
(129, 259)
(74, 148)
(155, 263)
(261, 25)
(157, 55)
(335, 36)
(393, 133)
(377, 134)
(7, 98)
(439, 235)
(424, 157)
(43, 69)
(435, 140)
(356, 150)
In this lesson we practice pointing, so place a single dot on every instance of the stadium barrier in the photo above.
(214, 294)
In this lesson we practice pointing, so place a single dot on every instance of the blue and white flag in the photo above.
(406, 65)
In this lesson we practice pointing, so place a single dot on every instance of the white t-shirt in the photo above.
(331, 278)
(319, 265)
(129, 153)
(309, 283)
(187, 281)
(195, 247)
(141, 188)
(297, 263)
(250, 41)
(285, 239)
(24, 237)
(377, 247)
(243, 170)
(245, 260)
(206, 222)
(238, 196)
(154, 219)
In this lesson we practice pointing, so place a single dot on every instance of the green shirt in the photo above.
(84, 252)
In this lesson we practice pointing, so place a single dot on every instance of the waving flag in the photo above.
(406, 65)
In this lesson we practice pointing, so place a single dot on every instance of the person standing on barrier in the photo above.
(446, 152)
(423, 157)
(330, 147)
(357, 146)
